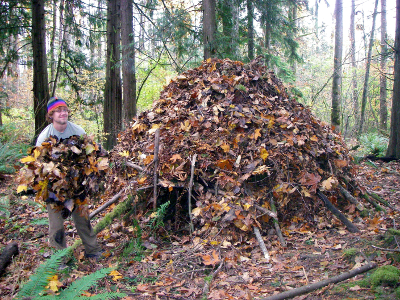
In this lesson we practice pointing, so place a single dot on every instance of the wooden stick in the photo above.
(351, 199)
(193, 162)
(155, 178)
(383, 201)
(374, 204)
(266, 211)
(314, 286)
(107, 204)
(136, 167)
(206, 287)
(6, 256)
(276, 224)
(261, 243)
(350, 226)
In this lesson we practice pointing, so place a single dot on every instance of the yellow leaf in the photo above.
(54, 284)
(257, 133)
(22, 188)
(329, 183)
(239, 224)
(27, 159)
(89, 149)
(154, 128)
(314, 138)
(36, 153)
(214, 243)
(263, 154)
(124, 153)
(246, 206)
(116, 275)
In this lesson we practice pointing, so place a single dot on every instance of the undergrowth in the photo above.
(37, 285)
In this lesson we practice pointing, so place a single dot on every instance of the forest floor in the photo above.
(174, 266)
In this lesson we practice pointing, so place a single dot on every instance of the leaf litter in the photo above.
(253, 143)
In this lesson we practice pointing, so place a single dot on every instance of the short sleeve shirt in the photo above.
(72, 129)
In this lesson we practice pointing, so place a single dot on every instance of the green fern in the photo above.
(38, 281)
(75, 290)
(36, 286)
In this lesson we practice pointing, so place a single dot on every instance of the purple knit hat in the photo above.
(54, 102)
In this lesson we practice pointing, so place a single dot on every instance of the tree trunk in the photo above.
(383, 85)
(353, 61)
(337, 64)
(229, 18)
(209, 28)
(40, 79)
(250, 29)
(128, 61)
(394, 140)
(367, 67)
(52, 46)
(112, 113)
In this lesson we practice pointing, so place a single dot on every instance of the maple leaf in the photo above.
(257, 133)
(116, 275)
(54, 284)
(186, 126)
(225, 164)
(329, 183)
(212, 259)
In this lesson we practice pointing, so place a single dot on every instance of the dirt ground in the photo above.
(172, 265)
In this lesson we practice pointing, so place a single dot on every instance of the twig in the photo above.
(107, 204)
(314, 286)
(266, 211)
(261, 243)
(193, 162)
(385, 249)
(206, 287)
(351, 199)
(383, 201)
(350, 226)
(155, 178)
(135, 166)
(276, 224)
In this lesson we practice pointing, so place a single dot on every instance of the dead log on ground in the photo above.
(314, 286)
(6, 256)
(350, 226)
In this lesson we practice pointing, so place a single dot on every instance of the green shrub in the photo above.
(386, 275)
(11, 149)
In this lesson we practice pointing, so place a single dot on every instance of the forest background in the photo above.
(110, 59)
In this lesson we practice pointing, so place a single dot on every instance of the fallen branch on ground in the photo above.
(314, 286)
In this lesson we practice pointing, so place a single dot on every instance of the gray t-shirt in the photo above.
(72, 129)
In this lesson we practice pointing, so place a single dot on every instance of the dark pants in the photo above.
(83, 227)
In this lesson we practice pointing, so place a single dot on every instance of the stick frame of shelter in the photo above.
(155, 178)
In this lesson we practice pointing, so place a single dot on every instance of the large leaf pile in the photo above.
(252, 141)
(72, 169)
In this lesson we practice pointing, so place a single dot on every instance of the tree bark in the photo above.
(353, 62)
(209, 28)
(383, 85)
(394, 139)
(367, 67)
(337, 65)
(112, 113)
(40, 79)
(128, 61)
(250, 29)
